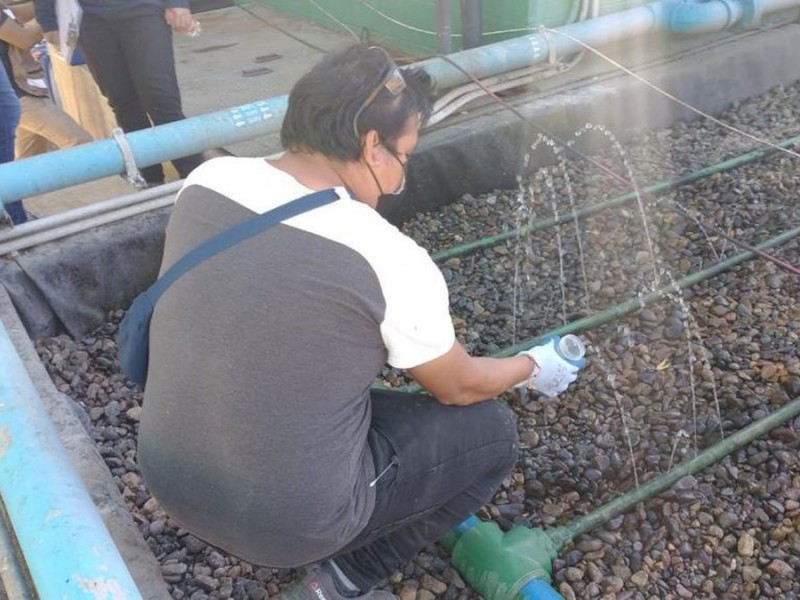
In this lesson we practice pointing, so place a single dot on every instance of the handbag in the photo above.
(69, 14)
(133, 336)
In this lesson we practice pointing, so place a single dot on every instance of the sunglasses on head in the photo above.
(392, 83)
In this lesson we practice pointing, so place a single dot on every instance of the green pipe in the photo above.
(654, 189)
(501, 566)
(624, 308)
(708, 457)
(632, 304)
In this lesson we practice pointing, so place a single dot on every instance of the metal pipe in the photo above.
(14, 580)
(41, 227)
(68, 551)
(63, 168)
(471, 24)
(444, 27)
(72, 227)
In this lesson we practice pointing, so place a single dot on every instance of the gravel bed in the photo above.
(662, 383)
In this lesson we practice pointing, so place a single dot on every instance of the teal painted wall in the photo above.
(409, 26)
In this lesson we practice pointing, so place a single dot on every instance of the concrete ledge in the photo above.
(484, 151)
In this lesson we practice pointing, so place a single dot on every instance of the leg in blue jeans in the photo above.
(9, 119)
(435, 465)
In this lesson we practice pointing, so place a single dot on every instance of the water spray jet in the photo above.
(621, 178)
(654, 189)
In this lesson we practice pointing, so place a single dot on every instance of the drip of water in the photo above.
(623, 156)
(690, 325)
(562, 278)
(678, 436)
(578, 233)
(702, 229)
(546, 180)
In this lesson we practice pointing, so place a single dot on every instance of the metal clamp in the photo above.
(552, 55)
(134, 176)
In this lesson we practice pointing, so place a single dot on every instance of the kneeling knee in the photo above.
(499, 424)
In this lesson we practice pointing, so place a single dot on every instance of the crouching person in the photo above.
(260, 432)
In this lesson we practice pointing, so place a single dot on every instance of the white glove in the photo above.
(552, 373)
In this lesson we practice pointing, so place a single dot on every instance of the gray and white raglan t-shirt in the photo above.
(256, 412)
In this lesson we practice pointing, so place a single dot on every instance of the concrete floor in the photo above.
(244, 54)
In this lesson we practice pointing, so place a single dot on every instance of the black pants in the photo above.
(435, 465)
(129, 53)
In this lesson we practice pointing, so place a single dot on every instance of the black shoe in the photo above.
(318, 585)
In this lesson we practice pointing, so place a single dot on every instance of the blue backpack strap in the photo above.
(237, 233)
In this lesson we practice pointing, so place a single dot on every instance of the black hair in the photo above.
(325, 101)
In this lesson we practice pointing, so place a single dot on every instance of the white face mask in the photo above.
(402, 186)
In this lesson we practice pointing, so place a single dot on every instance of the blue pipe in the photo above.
(67, 549)
(702, 17)
(681, 17)
(63, 168)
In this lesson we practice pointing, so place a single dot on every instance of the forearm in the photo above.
(20, 36)
(24, 11)
(460, 379)
(488, 377)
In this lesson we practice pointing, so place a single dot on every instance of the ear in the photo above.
(371, 148)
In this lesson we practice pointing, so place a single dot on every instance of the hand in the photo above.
(51, 37)
(551, 373)
(180, 19)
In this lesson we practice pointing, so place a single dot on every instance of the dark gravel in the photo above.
(662, 383)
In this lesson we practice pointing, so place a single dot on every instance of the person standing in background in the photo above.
(9, 119)
(42, 123)
(127, 45)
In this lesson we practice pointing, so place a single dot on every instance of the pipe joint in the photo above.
(692, 17)
(753, 11)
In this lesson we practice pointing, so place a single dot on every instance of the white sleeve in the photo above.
(417, 327)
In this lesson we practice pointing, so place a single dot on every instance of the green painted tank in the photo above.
(410, 26)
